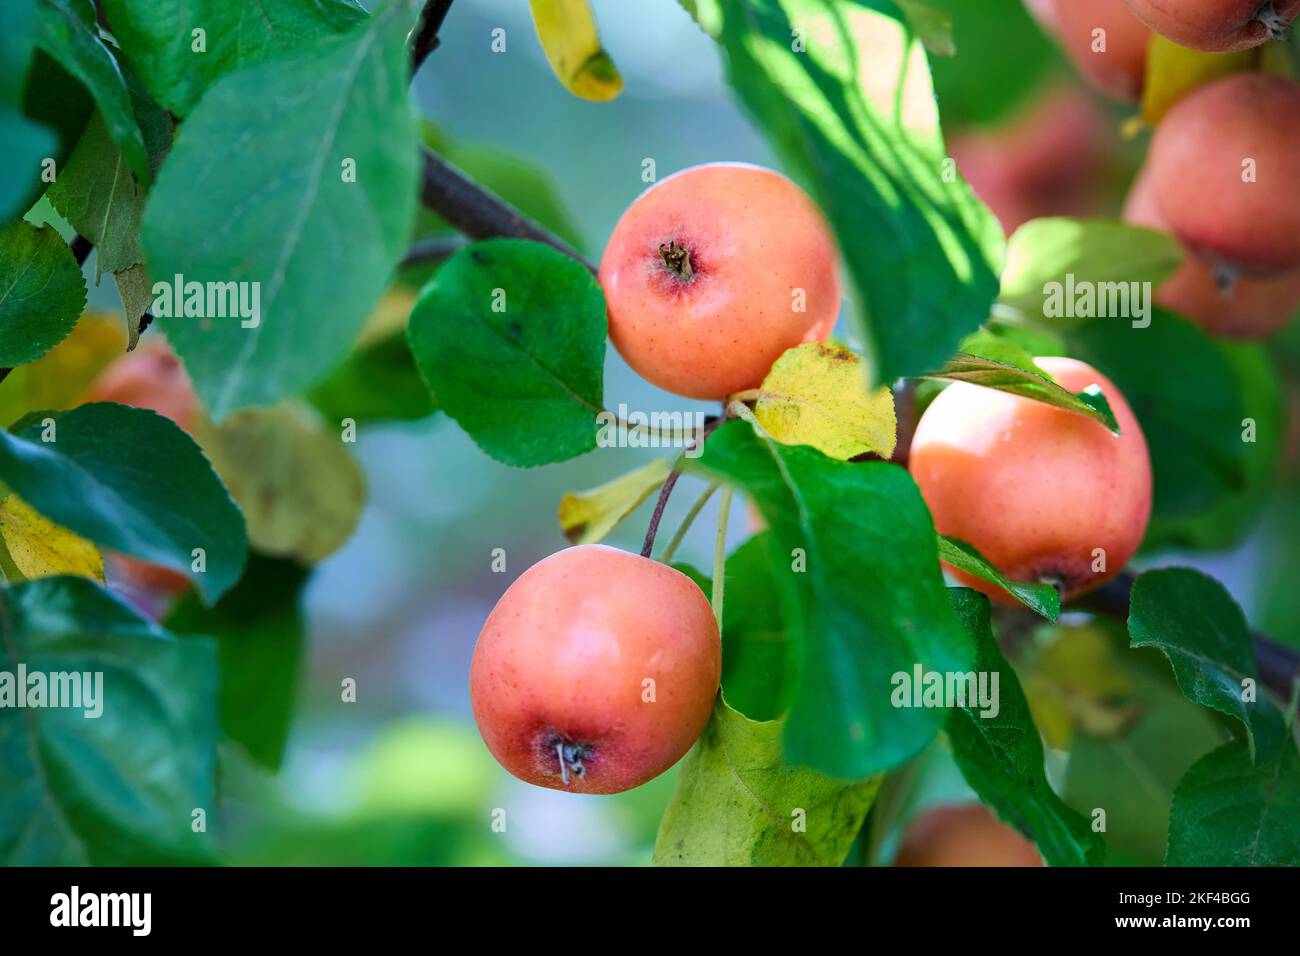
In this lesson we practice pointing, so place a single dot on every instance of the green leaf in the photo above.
(853, 113)
(130, 480)
(23, 146)
(738, 804)
(1036, 385)
(377, 382)
(42, 292)
(510, 338)
(17, 46)
(157, 38)
(1235, 507)
(117, 789)
(75, 45)
(1199, 627)
(759, 674)
(1047, 258)
(1232, 810)
(853, 551)
(321, 248)
(98, 196)
(259, 630)
(1001, 755)
(1188, 403)
(1042, 599)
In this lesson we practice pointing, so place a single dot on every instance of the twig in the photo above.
(648, 547)
(433, 249)
(426, 37)
(477, 213)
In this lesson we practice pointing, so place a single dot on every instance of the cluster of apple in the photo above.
(598, 669)
(1223, 161)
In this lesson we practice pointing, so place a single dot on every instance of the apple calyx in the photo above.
(677, 259)
(569, 755)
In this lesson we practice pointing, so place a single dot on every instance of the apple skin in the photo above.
(149, 377)
(1049, 161)
(1252, 308)
(1216, 26)
(562, 657)
(1196, 170)
(753, 238)
(1035, 488)
(964, 835)
(1120, 71)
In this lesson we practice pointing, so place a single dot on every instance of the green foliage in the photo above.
(1001, 755)
(116, 789)
(42, 292)
(68, 34)
(284, 214)
(737, 803)
(510, 338)
(1196, 624)
(258, 629)
(1188, 403)
(921, 249)
(1088, 252)
(853, 552)
(130, 480)
(1007, 369)
(1042, 599)
(159, 44)
(1232, 810)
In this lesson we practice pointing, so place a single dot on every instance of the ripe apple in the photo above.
(596, 671)
(1224, 162)
(149, 377)
(1106, 43)
(964, 835)
(1248, 307)
(1043, 493)
(1217, 26)
(711, 274)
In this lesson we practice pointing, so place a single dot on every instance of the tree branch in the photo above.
(477, 213)
(426, 37)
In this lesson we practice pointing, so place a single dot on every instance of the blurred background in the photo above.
(401, 776)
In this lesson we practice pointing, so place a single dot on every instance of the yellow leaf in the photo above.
(389, 316)
(567, 30)
(60, 377)
(37, 547)
(1173, 71)
(300, 489)
(816, 394)
(587, 516)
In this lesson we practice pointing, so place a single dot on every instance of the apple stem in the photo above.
(720, 556)
(677, 259)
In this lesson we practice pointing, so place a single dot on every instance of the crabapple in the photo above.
(964, 835)
(596, 671)
(1047, 162)
(1043, 493)
(1248, 307)
(1224, 163)
(1218, 26)
(712, 273)
(1114, 60)
(149, 377)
